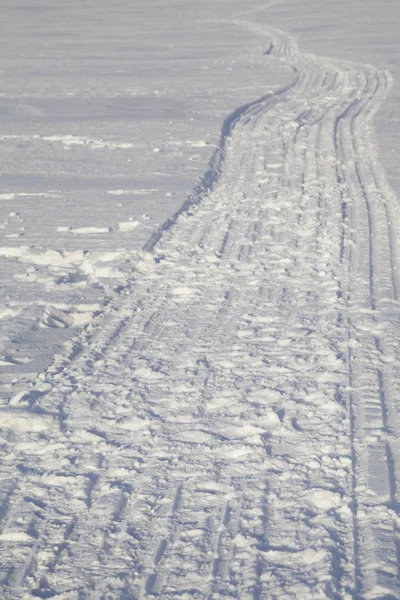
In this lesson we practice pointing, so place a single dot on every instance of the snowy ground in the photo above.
(199, 401)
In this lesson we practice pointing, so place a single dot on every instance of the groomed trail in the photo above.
(228, 427)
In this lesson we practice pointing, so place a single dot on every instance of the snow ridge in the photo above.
(227, 427)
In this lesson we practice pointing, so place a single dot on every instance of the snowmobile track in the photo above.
(228, 427)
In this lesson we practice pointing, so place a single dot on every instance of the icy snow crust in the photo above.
(225, 426)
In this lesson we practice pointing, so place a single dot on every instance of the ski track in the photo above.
(228, 427)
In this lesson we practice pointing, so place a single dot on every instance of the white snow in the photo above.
(199, 300)
(325, 499)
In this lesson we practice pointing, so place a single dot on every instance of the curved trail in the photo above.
(228, 428)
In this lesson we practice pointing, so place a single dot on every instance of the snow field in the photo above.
(227, 427)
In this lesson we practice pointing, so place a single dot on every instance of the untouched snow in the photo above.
(200, 396)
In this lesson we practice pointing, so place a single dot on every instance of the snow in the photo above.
(199, 300)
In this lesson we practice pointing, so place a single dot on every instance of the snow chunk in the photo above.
(127, 225)
(236, 452)
(192, 436)
(21, 421)
(210, 487)
(305, 557)
(85, 230)
(183, 290)
(122, 192)
(15, 536)
(7, 312)
(325, 499)
(53, 317)
(134, 424)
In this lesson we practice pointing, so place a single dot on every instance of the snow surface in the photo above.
(199, 309)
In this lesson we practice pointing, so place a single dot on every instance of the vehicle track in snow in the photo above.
(228, 426)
